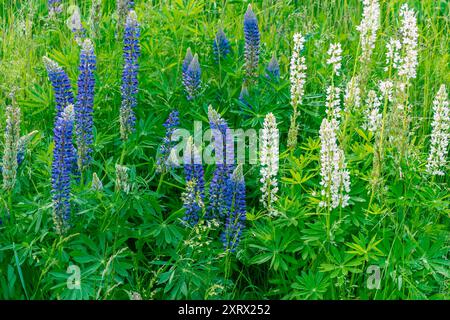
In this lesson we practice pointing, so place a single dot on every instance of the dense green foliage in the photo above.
(125, 243)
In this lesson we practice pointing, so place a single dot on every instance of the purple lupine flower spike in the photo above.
(221, 45)
(186, 62)
(192, 78)
(273, 68)
(131, 53)
(84, 106)
(224, 154)
(235, 220)
(164, 162)
(63, 94)
(60, 83)
(62, 167)
(252, 44)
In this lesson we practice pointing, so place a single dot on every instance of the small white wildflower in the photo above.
(269, 163)
(368, 28)
(440, 134)
(372, 112)
(335, 57)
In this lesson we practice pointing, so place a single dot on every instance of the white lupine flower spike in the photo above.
(269, 163)
(368, 28)
(372, 112)
(440, 134)
(352, 97)
(410, 35)
(335, 57)
(298, 79)
(335, 180)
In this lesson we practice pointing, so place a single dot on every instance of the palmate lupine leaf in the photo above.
(310, 285)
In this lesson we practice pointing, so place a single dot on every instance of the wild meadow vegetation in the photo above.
(347, 196)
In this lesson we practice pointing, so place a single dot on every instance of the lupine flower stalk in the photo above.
(61, 85)
(269, 163)
(84, 106)
(372, 112)
(75, 25)
(409, 35)
(23, 144)
(97, 184)
(403, 56)
(252, 44)
(352, 96)
(221, 45)
(393, 54)
(368, 29)
(95, 15)
(122, 179)
(335, 180)
(193, 197)
(54, 7)
(122, 9)
(298, 79)
(386, 88)
(273, 68)
(224, 165)
(186, 62)
(131, 53)
(235, 220)
(62, 167)
(333, 103)
(164, 163)
(192, 78)
(335, 57)
(440, 134)
(10, 153)
(63, 94)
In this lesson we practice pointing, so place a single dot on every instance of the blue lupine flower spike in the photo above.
(62, 167)
(186, 62)
(223, 150)
(221, 45)
(84, 106)
(61, 85)
(235, 221)
(273, 68)
(252, 45)
(63, 94)
(192, 79)
(131, 53)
